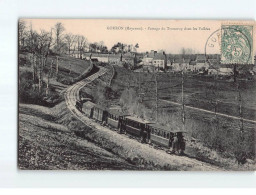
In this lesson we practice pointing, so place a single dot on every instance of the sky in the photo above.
(168, 35)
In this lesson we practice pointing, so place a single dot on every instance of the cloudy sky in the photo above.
(168, 35)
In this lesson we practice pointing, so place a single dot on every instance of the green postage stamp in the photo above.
(237, 44)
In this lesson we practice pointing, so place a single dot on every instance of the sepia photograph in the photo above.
(141, 95)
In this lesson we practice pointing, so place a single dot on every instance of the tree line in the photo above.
(58, 41)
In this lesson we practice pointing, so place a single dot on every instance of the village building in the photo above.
(214, 65)
(77, 54)
(201, 62)
(148, 58)
(212, 70)
(114, 59)
(192, 65)
(100, 57)
(169, 63)
(181, 64)
(160, 61)
(156, 60)
(225, 70)
(129, 58)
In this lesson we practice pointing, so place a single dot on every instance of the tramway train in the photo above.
(146, 131)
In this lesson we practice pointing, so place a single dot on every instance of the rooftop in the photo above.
(100, 107)
(137, 119)
(165, 128)
(88, 104)
(159, 56)
(201, 57)
(117, 112)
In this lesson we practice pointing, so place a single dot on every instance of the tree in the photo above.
(59, 29)
(118, 48)
(136, 47)
(21, 33)
(70, 40)
(102, 47)
(81, 44)
(93, 47)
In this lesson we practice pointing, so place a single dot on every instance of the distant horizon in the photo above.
(177, 35)
(171, 42)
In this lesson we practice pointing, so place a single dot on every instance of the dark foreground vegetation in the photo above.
(43, 85)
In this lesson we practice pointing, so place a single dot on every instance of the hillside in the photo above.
(47, 141)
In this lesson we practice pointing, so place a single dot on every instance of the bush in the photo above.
(64, 80)
(28, 91)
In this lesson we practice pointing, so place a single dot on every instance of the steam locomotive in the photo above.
(146, 131)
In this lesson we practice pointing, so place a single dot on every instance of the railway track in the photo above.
(72, 95)
(208, 111)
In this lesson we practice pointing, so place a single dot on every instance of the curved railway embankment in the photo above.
(142, 155)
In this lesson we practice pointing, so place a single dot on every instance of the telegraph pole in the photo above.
(215, 88)
(69, 68)
(156, 96)
(57, 65)
(182, 100)
(51, 68)
(40, 73)
(33, 66)
(47, 84)
(240, 110)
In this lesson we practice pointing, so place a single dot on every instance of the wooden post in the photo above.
(215, 88)
(40, 74)
(57, 65)
(182, 100)
(51, 68)
(235, 75)
(139, 86)
(47, 84)
(33, 66)
(240, 110)
(45, 61)
(156, 96)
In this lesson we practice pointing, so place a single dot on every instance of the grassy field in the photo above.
(201, 92)
(221, 134)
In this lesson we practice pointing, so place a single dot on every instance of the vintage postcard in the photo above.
(108, 94)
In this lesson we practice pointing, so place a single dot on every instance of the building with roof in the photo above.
(129, 58)
(180, 64)
(212, 70)
(201, 62)
(114, 59)
(160, 61)
(225, 71)
(100, 57)
(77, 54)
(148, 58)
(157, 60)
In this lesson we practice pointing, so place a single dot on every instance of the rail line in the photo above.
(72, 95)
(208, 111)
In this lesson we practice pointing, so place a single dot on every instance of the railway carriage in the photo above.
(160, 135)
(136, 127)
(100, 113)
(115, 119)
(145, 130)
(166, 137)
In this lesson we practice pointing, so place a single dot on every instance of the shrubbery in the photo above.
(64, 80)
(29, 92)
